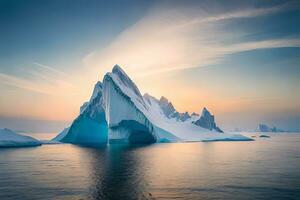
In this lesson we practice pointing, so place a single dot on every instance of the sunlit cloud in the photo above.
(173, 39)
(47, 81)
(40, 91)
(21, 83)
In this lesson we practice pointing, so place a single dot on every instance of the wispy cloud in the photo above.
(250, 12)
(265, 44)
(53, 70)
(174, 39)
(48, 81)
(41, 92)
(23, 84)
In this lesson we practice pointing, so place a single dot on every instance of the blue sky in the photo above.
(239, 59)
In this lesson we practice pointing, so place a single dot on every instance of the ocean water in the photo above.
(268, 168)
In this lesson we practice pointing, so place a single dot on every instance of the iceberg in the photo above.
(90, 126)
(265, 128)
(9, 138)
(118, 113)
(130, 115)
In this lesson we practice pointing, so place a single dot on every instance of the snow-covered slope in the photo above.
(206, 120)
(90, 126)
(9, 138)
(185, 130)
(132, 117)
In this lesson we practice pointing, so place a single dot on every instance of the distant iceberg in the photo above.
(118, 113)
(266, 128)
(9, 138)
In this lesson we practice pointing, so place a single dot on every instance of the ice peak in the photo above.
(123, 79)
(99, 84)
(194, 114)
(148, 97)
(163, 100)
(207, 120)
(184, 116)
(205, 112)
(97, 89)
(116, 69)
(166, 106)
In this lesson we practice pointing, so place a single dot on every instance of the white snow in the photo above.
(123, 101)
(9, 138)
(117, 112)
(186, 131)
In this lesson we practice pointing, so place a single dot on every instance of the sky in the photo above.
(240, 59)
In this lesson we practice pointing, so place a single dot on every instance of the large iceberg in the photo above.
(133, 118)
(9, 138)
(90, 126)
(118, 113)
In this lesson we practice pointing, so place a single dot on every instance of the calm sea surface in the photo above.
(268, 168)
